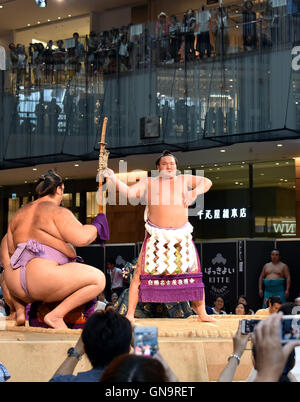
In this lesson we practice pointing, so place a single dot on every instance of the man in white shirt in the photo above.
(203, 41)
(116, 275)
(2, 58)
(2, 308)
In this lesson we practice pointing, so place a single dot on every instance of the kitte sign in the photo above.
(219, 268)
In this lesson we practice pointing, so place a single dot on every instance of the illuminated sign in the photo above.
(285, 228)
(224, 213)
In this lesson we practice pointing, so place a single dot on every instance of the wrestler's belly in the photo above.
(47, 240)
(273, 276)
(168, 216)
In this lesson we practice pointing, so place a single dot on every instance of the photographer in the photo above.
(271, 356)
(272, 361)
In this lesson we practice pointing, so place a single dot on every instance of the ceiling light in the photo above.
(69, 15)
(76, 165)
(222, 150)
(1, 6)
(34, 169)
(279, 145)
(277, 163)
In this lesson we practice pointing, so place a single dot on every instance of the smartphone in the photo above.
(290, 328)
(248, 326)
(145, 341)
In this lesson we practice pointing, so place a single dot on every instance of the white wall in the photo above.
(110, 19)
(55, 31)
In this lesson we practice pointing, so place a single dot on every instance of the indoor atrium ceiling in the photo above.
(17, 14)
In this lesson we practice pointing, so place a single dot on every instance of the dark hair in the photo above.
(246, 307)
(106, 335)
(165, 153)
(287, 308)
(48, 183)
(274, 299)
(275, 249)
(132, 368)
(109, 305)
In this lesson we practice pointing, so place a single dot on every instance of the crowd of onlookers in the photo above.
(170, 39)
(108, 337)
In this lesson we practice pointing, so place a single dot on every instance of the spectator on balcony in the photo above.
(59, 60)
(92, 43)
(124, 54)
(13, 57)
(75, 56)
(213, 28)
(249, 27)
(53, 112)
(100, 52)
(37, 59)
(189, 23)
(222, 34)
(48, 59)
(21, 65)
(175, 38)
(40, 113)
(203, 40)
(162, 37)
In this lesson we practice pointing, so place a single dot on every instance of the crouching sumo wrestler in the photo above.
(39, 259)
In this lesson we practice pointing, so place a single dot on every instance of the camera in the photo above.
(145, 341)
(289, 329)
(248, 326)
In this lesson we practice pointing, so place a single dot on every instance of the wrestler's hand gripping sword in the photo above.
(103, 159)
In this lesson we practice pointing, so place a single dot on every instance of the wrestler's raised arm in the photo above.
(71, 230)
(196, 185)
(133, 192)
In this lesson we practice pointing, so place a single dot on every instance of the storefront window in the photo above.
(13, 206)
(67, 200)
(92, 207)
(225, 210)
(274, 199)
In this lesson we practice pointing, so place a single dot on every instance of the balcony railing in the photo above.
(188, 91)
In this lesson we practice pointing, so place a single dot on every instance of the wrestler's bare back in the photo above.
(37, 221)
(165, 200)
(274, 271)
